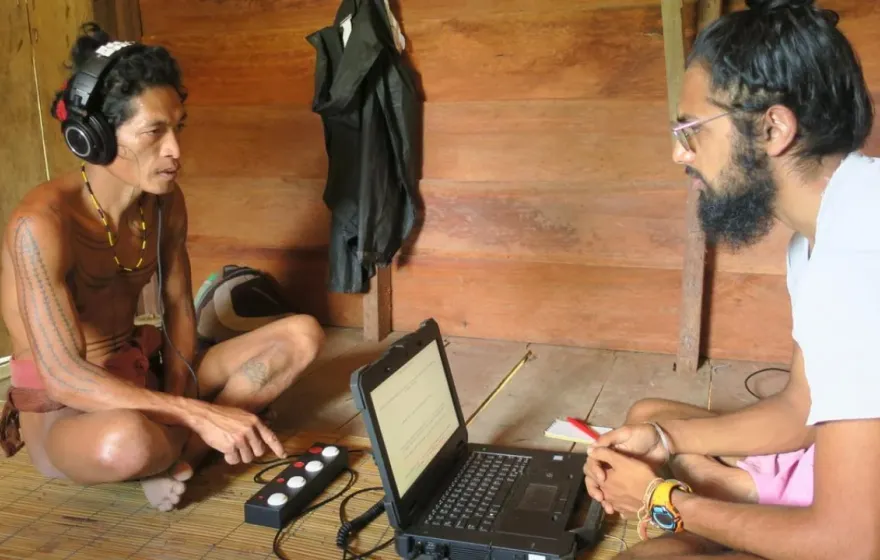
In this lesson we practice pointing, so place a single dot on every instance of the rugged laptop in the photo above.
(450, 498)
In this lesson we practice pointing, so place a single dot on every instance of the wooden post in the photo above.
(121, 19)
(694, 266)
(377, 306)
(707, 12)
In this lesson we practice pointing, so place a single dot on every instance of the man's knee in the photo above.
(134, 446)
(646, 410)
(305, 335)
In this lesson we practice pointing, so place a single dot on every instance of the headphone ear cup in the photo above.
(79, 137)
(91, 139)
(106, 139)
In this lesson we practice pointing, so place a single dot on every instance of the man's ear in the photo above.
(778, 130)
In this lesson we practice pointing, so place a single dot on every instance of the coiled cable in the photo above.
(348, 529)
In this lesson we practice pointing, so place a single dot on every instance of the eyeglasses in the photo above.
(684, 131)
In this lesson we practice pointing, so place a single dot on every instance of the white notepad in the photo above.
(565, 430)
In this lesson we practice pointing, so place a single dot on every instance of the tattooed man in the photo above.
(77, 252)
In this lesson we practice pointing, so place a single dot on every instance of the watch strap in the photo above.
(660, 503)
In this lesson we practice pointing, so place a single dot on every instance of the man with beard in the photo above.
(774, 111)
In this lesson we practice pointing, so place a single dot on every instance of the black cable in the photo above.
(271, 464)
(751, 375)
(161, 298)
(289, 459)
(276, 543)
(349, 528)
(258, 478)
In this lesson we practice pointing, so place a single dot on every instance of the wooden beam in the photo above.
(694, 267)
(673, 47)
(377, 306)
(708, 11)
(121, 19)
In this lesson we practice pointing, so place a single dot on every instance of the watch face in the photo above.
(663, 518)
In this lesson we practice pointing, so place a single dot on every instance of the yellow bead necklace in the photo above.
(110, 233)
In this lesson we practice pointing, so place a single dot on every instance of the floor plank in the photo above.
(57, 519)
(555, 382)
(728, 391)
(477, 365)
(636, 376)
(321, 400)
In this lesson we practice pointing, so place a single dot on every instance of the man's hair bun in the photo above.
(768, 6)
(806, 7)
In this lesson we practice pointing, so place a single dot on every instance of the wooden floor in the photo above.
(55, 519)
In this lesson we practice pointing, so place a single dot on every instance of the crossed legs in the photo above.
(249, 371)
(714, 477)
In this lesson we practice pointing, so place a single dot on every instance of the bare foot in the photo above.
(164, 491)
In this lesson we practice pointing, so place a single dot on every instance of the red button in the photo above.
(299, 464)
(280, 480)
(315, 449)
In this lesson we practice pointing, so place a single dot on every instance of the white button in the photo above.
(330, 452)
(296, 482)
(277, 499)
(314, 466)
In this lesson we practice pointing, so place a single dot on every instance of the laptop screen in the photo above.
(416, 415)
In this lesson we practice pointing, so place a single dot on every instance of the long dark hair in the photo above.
(790, 53)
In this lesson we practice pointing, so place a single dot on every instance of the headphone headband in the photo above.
(85, 85)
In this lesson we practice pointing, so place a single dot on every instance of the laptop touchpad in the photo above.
(534, 511)
(537, 497)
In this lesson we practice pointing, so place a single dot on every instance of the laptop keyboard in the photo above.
(475, 497)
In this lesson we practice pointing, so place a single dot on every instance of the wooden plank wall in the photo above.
(553, 210)
(21, 149)
(36, 41)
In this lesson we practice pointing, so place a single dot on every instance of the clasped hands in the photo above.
(621, 465)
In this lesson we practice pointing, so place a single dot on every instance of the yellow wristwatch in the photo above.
(663, 513)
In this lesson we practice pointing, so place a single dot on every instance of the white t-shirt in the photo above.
(835, 295)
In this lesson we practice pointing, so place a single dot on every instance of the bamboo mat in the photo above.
(54, 519)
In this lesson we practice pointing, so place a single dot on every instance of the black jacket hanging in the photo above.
(369, 106)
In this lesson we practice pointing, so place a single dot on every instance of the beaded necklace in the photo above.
(110, 238)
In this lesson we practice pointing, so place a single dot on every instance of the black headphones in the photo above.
(85, 129)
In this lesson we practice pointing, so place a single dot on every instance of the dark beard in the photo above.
(740, 212)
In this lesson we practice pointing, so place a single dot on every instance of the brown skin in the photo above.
(68, 307)
(722, 511)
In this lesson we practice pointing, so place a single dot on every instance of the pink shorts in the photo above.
(783, 479)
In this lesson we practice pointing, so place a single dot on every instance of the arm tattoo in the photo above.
(52, 332)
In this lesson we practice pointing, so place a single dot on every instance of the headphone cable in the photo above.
(161, 300)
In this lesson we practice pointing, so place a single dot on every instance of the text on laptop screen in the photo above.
(416, 415)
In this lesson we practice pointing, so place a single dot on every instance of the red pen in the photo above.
(583, 427)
